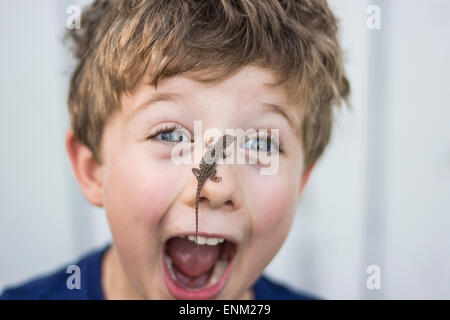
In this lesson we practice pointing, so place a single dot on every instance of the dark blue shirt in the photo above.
(54, 286)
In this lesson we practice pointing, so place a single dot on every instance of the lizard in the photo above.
(207, 169)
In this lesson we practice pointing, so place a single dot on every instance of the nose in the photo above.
(223, 195)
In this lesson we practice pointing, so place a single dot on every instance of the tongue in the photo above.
(190, 259)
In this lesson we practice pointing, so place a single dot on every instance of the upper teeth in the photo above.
(205, 240)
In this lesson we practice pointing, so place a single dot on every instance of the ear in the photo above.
(86, 168)
(305, 178)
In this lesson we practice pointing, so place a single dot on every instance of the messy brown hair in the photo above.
(122, 41)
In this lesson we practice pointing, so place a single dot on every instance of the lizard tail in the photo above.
(197, 200)
(196, 223)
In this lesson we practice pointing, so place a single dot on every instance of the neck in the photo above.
(115, 283)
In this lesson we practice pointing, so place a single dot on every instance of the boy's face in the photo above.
(149, 200)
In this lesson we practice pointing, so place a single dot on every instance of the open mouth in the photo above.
(197, 271)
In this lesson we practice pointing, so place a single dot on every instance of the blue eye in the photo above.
(259, 144)
(169, 133)
(171, 136)
(264, 143)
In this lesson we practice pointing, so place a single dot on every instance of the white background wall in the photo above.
(380, 195)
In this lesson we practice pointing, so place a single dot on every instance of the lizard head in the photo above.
(220, 146)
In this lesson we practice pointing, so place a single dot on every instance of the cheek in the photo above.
(274, 209)
(274, 199)
(138, 193)
(273, 206)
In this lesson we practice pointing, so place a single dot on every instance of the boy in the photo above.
(147, 71)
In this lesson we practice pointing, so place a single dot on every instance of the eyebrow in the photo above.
(156, 98)
(170, 96)
(274, 108)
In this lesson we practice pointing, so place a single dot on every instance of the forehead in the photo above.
(250, 86)
(248, 80)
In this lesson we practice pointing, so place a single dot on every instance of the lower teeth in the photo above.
(219, 268)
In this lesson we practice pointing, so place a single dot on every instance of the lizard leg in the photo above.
(196, 172)
(213, 177)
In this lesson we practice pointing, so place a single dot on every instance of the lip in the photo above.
(181, 293)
